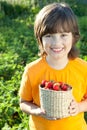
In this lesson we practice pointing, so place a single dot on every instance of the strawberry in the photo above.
(64, 87)
(56, 86)
(49, 85)
(43, 83)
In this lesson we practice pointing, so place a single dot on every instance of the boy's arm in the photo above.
(83, 106)
(30, 108)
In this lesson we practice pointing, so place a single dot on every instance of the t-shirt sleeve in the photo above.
(25, 91)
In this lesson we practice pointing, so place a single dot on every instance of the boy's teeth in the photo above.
(57, 49)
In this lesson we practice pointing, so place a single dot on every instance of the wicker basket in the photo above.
(55, 103)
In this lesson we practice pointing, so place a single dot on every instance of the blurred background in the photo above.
(18, 47)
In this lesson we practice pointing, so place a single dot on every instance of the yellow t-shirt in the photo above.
(75, 74)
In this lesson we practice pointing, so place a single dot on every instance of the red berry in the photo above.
(49, 85)
(56, 86)
(43, 83)
(64, 87)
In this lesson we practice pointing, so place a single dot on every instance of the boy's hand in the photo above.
(74, 108)
(38, 111)
(42, 113)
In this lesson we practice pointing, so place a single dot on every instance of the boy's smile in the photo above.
(57, 50)
(57, 45)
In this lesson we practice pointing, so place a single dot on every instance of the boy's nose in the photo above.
(57, 40)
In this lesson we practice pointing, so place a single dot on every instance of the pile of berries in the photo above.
(57, 86)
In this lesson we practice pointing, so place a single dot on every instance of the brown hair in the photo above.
(53, 18)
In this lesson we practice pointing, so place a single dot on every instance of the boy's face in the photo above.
(57, 45)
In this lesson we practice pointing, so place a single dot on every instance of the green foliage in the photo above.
(9, 100)
(83, 31)
(17, 48)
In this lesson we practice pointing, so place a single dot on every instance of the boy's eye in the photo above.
(63, 35)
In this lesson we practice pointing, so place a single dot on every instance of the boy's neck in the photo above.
(57, 63)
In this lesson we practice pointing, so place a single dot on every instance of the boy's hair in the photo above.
(54, 18)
